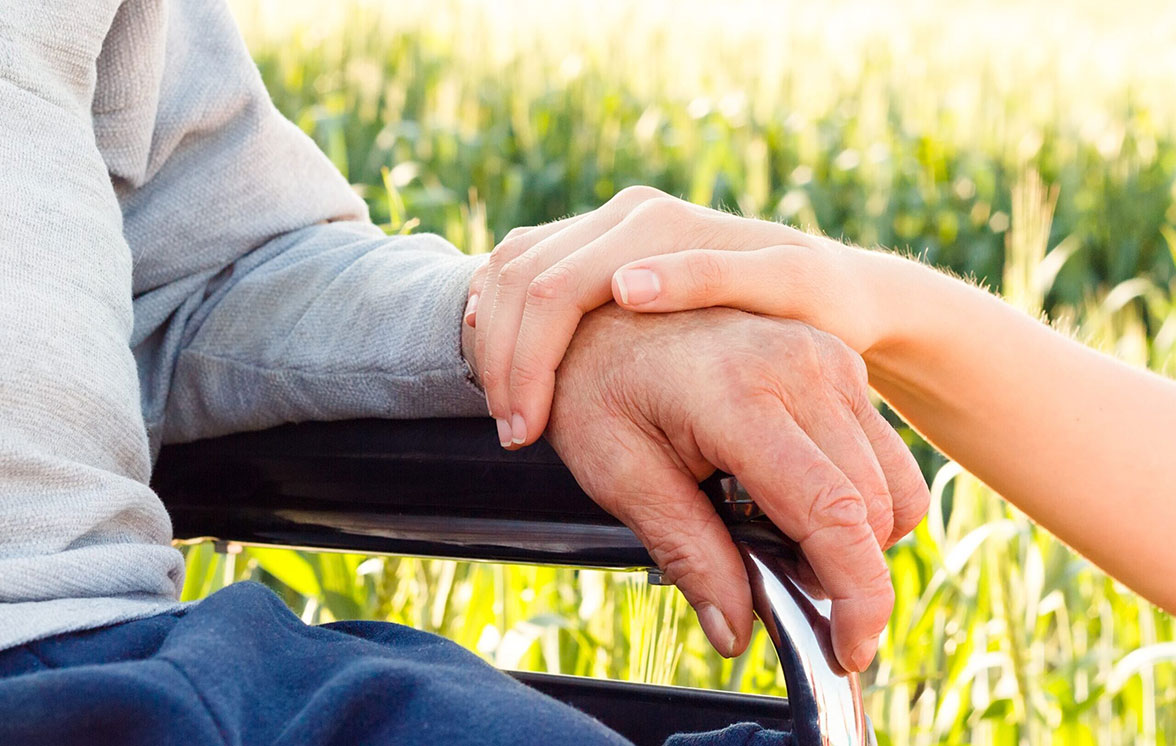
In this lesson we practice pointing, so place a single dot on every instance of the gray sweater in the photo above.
(176, 261)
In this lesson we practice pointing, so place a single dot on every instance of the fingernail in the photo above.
(638, 286)
(503, 432)
(489, 409)
(471, 310)
(863, 654)
(518, 429)
(714, 624)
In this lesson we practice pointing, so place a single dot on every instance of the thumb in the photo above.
(699, 278)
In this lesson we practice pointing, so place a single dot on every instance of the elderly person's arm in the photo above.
(263, 294)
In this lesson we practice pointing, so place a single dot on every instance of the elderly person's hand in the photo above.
(647, 405)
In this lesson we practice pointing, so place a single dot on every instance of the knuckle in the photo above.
(680, 223)
(491, 378)
(921, 502)
(795, 350)
(677, 545)
(528, 374)
(534, 364)
(517, 232)
(518, 272)
(511, 247)
(632, 196)
(480, 273)
(872, 590)
(741, 377)
(879, 582)
(915, 505)
(843, 365)
(706, 272)
(554, 283)
(855, 369)
(881, 519)
(812, 342)
(880, 590)
(657, 210)
(677, 563)
(833, 505)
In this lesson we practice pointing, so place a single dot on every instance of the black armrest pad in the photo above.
(440, 487)
(439, 466)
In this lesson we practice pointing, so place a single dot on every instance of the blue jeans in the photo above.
(240, 668)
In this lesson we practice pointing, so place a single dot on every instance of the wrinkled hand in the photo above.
(647, 405)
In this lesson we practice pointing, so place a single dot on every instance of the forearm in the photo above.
(263, 294)
(1079, 441)
(333, 322)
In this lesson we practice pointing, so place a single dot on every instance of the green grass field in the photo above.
(1032, 149)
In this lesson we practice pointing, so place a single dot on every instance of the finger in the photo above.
(814, 281)
(836, 431)
(760, 281)
(469, 316)
(578, 281)
(507, 291)
(687, 540)
(908, 491)
(813, 502)
(578, 275)
(516, 237)
(524, 237)
(477, 281)
(514, 243)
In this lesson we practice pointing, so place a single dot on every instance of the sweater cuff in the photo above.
(469, 397)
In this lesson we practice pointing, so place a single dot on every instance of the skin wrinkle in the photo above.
(832, 508)
(862, 468)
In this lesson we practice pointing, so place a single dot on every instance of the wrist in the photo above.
(844, 295)
(899, 301)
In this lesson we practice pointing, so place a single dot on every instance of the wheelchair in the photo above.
(444, 488)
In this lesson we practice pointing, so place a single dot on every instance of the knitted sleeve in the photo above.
(263, 294)
(77, 520)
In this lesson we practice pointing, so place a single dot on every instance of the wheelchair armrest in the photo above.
(435, 488)
(445, 488)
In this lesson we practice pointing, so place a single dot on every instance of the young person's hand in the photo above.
(538, 283)
(821, 282)
(647, 405)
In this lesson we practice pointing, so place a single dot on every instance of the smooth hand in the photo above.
(647, 405)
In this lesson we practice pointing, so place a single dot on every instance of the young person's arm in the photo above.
(1079, 441)
(1084, 444)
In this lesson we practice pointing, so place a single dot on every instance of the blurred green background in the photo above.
(1028, 145)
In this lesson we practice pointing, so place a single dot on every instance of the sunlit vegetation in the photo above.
(1030, 148)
